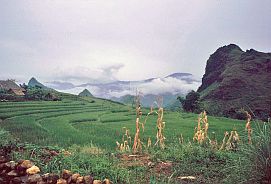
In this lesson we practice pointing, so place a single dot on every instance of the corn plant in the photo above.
(248, 127)
(126, 139)
(201, 131)
(160, 124)
(137, 146)
(232, 142)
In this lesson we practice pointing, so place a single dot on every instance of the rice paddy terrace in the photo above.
(84, 121)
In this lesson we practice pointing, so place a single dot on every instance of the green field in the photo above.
(85, 125)
(91, 120)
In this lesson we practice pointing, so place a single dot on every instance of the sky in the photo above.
(99, 41)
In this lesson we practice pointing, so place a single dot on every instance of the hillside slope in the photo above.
(85, 93)
(33, 82)
(235, 79)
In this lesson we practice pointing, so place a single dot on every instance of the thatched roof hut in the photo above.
(11, 87)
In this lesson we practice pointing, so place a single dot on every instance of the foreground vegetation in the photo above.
(88, 128)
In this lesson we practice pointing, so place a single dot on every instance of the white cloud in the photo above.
(156, 87)
(167, 85)
(80, 74)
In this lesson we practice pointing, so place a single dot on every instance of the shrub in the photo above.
(191, 102)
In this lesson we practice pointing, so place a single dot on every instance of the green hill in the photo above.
(85, 93)
(235, 79)
(89, 127)
(33, 82)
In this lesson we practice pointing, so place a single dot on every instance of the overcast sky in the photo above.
(82, 41)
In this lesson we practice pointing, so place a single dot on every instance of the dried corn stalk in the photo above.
(149, 142)
(201, 132)
(248, 127)
(232, 142)
(213, 141)
(137, 146)
(126, 138)
(226, 134)
(160, 139)
(160, 124)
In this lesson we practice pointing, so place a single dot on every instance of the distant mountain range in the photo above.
(235, 79)
(169, 87)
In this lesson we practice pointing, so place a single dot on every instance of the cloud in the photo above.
(156, 86)
(81, 74)
(96, 91)
(167, 85)
(109, 72)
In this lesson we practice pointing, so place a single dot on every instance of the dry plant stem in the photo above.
(160, 126)
(136, 139)
(149, 142)
(232, 141)
(126, 138)
(228, 144)
(137, 146)
(226, 134)
(201, 132)
(248, 127)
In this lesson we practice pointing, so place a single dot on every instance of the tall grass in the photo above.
(252, 163)
(261, 152)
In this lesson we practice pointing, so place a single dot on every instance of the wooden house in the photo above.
(12, 88)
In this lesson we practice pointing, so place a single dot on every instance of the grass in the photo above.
(90, 127)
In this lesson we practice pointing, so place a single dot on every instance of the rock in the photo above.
(187, 178)
(66, 174)
(97, 182)
(10, 165)
(3, 159)
(2, 166)
(41, 182)
(53, 153)
(151, 164)
(16, 180)
(23, 165)
(34, 178)
(80, 180)
(3, 172)
(13, 173)
(26, 164)
(74, 177)
(3, 180)
(106, 181)
(61, 181)
(88, 179)
(50, 178)
(33, 170)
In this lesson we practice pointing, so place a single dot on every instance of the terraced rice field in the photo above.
(85, 121)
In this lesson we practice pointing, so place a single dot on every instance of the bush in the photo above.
(191, 102)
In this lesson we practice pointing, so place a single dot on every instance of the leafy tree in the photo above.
(35, 93)
(191, 102)
(24, 86)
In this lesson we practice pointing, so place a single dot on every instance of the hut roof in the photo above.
(9, 84)
(18, 92)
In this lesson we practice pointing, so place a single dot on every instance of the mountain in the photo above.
(35, 83)
(168, 87)
(148, 100)
(85, 92)
(235, 79)
(60, 85)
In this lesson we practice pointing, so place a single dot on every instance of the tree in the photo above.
(191, 102)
